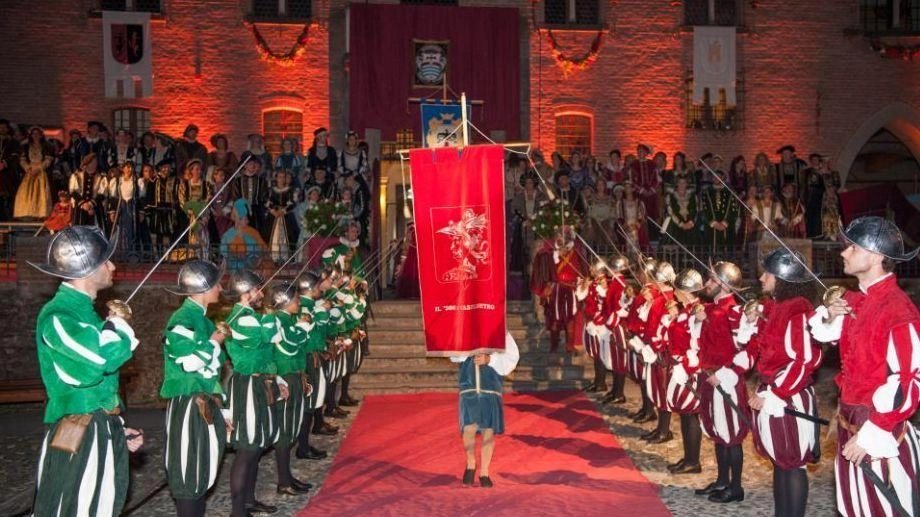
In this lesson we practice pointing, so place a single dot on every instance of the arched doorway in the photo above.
(885, 148)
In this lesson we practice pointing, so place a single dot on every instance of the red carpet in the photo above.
(403, 457)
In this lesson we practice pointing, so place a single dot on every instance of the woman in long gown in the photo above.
(281, 202)
(311, 198)
(33, 198)
(683, 211)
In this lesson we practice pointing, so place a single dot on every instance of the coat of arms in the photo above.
(468, 244)
(430, 63)
(127, 43)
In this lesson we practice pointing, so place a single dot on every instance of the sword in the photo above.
(805, 416)
(734, 405)
(884, 488)
(178, 239)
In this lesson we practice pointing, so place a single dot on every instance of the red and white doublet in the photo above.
(785, 358)
(683, 337)
(717, 350)
(619, 350)
(597, 309)
(561, 305)
(879, 384)
(636, 322)
(656, 353)
(645, 177)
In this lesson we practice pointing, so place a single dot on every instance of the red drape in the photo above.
(483, 61)
(460, 229)
(878, 200)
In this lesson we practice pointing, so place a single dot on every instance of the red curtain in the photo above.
(460, 228)
(483, 61)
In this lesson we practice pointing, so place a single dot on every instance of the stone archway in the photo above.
(901, 119)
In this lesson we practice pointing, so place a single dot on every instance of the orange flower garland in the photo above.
(286, 59)
(570, 65)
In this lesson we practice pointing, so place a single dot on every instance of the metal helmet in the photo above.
(689, 280)
(664, 272)
(77, 252)
(196, 277)
(599, 267)
(308, 281)
(618, 263)
(878, 235)
(782, 264)
(281, 294)
(727, 273)
(241, 282)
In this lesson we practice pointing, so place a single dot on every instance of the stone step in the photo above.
(375, 364)
(408, 376)
(386, 336)
(548, 373)
(545, 385)
(415, 322)
(406, 307)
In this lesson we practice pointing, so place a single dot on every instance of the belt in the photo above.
(474, 390)
(854, 429)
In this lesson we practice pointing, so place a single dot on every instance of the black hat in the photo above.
(188, 128)
(790, 148)
(254, 157)
(96, 123)
(319, 130)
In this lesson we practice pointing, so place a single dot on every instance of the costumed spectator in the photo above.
(122, 151)
(830, 213)
(600, 216)
(62, 213)
(634, 217)
(306, 232)
(58, 173)
(281, 219)
(876, 330)
(291, 161)
(524, 206)
(105, 149)
(568, 194)
(93, 143)
(163, 153)
(738, 175)
(791, 169)
(718, 383)
(543, 169)
(720, 212)
(777, 344)
(682, 169)
(33, 197)
(683, 213)
(252, 186)
(144, 195)
(321, 155)
(9, 169)
(820, 181)
(254, 389)
(242, 246)
(73, 153)
(325, 181)
(196, 421)
(161, 204)
(256, 146)
(749, 229)
(579, 174)
(764, 173)
(193, 195)
(81, 191)
(188, 148)
(125, 190)
(614, 173)
(645, 178)
(668, 180)
(361, 204)
(83, 468)
(793, 222)
(219, 217)
(352, 160)
(146, 149)
(105, 203)
(481, 412)
(221, 157)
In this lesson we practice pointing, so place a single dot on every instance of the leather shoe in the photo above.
(649, 417)
(485, 482)
(340, 413)
(650, 435)
(348, 401)
(662, 437)
(674, 466)
(727, 496)
(711, 488)
(637, 415)
(468, 476)
(688, 468)
(327, 430)
(312, 454)
(302, 486)
(258, 507)
(289, 490)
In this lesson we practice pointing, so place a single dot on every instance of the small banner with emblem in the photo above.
(126, 50)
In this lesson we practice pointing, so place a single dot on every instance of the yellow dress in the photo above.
(33, 198)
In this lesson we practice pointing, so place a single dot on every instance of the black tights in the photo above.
(646, 402)
(243, 480)
(191, 507)
(600, 373)
(283, 462)
(664, 422)
(346, 380)
(619, 383)
(790, 492)
(330, 402)
(730, 460)
(692, 436)
(303, 438)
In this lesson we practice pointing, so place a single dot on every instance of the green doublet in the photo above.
(191, 360)
(316, 337)
(79, 360)
(249, 345)
(290, 342)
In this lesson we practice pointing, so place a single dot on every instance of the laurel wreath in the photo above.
(286, 59)
(571, 65)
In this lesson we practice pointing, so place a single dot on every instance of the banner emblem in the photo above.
(127, 43)
(430, 63)
(467, 244)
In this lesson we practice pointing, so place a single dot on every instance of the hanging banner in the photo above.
(459, 209)
(714, 63)
(126, 50)
(441, 124)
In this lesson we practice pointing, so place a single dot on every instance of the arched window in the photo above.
(279, 123)
(574, 131)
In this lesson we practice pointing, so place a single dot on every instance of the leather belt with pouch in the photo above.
(204, 409)
(269, 390)
(305, 382)
(70, 431)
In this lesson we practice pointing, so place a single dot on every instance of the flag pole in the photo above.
(463, 119)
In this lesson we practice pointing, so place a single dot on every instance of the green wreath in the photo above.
(325, 214)
(552, 215)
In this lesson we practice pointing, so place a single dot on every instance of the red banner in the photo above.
(460, 226)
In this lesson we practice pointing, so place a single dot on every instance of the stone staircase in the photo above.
(398, 364)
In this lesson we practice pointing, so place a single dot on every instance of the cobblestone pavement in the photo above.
(21, 432)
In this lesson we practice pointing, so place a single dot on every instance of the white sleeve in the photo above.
(458, 358)
(825, 332)
(746, 329)
(581, 292)
(505, 362)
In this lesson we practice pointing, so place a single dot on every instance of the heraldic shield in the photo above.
(127, 43)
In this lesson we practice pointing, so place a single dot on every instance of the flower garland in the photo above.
(895, 51)
(552, 215)
(571, 65)
(323, 215)
(287, 59)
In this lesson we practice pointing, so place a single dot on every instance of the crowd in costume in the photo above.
(153, 185)
(290, 348)
(690, 339)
